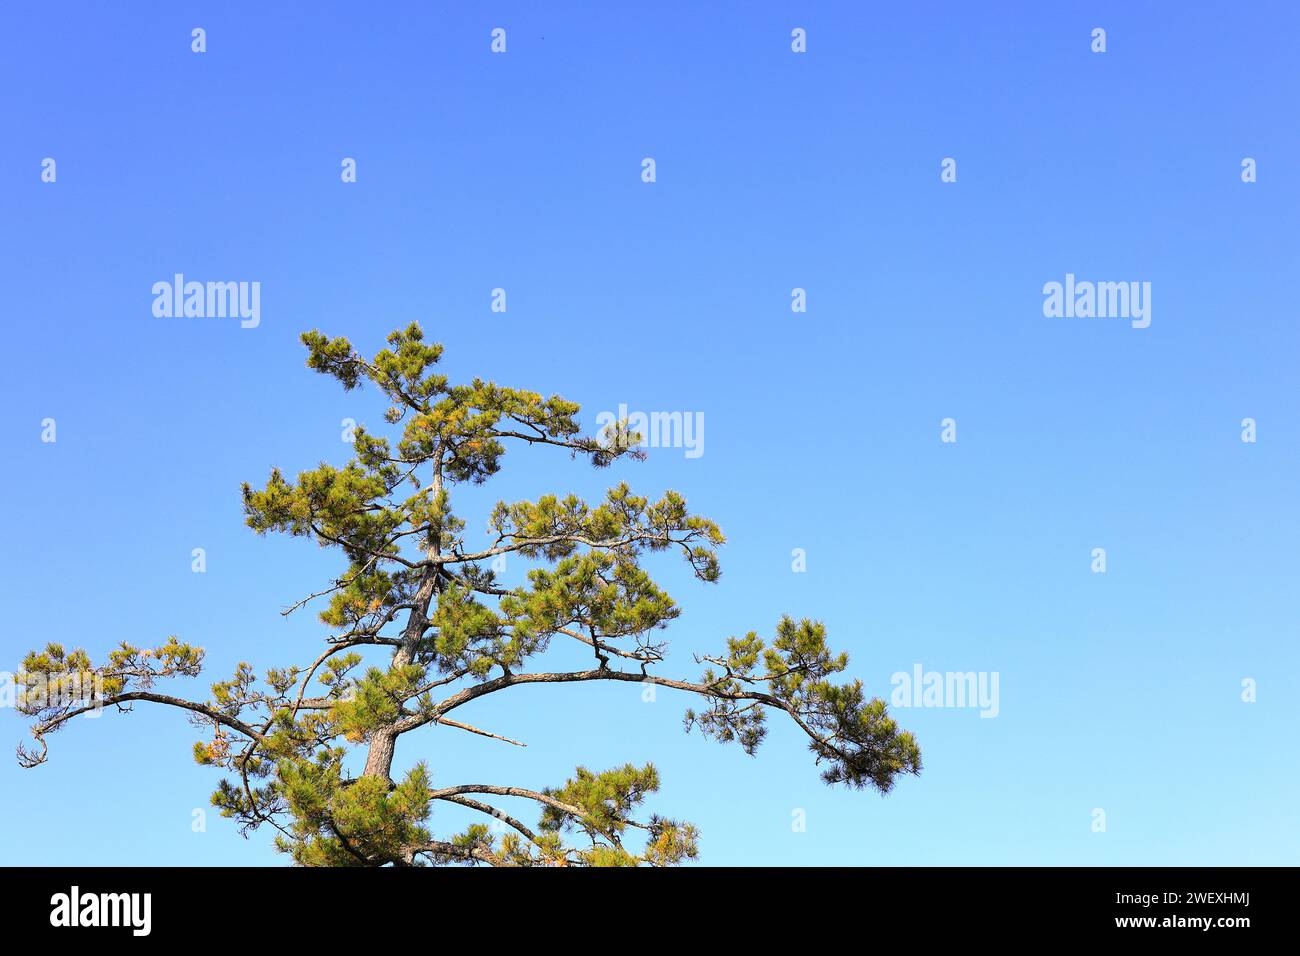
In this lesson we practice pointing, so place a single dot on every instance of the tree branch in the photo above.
(32, 759)
(603, 673)
(464, 788)
(474, 730)
(494, 812)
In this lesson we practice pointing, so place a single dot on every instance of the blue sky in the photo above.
(1120, 691)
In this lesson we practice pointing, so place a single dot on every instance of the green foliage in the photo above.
(855, 736)
(415, 590)
(363, 594)
(598, 590)
(606, 801)
(628, 524)
(55, 681)
(339, 506)
(471, 637)
(355, 822)
(376, 701)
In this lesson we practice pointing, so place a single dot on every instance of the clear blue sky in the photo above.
(1119, 691)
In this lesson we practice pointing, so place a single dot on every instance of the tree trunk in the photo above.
(379, 758)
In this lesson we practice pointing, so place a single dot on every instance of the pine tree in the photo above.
(415, 592)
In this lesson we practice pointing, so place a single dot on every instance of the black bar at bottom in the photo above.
(135, 905)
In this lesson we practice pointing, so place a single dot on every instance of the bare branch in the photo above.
(494, 812)
(464, 788)
(474, 730)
